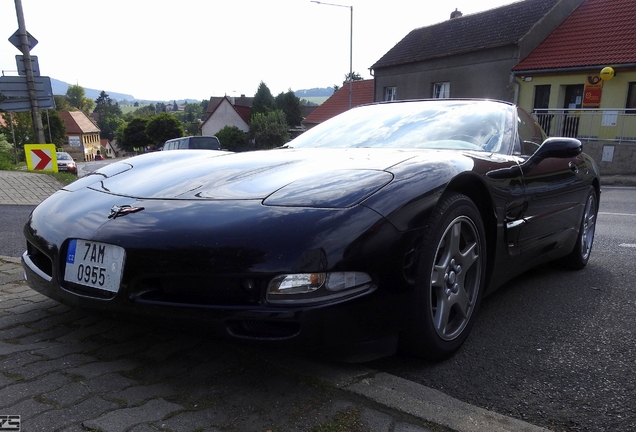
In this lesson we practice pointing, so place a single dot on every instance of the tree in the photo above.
(269, 130)
(108, 125)
(54, 128)
(175, 107)
(134, 134)
(7, 158)
(146, 111)
(289, 103)
(22, 130)
(204, 105)
(163, 127)
(110, 115)
(62, 104)
(119, 132)
(232, 138)
(193, 112)
(77, 99)
(263, 102)
(355, 76)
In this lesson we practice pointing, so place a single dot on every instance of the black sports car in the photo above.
(382, 227)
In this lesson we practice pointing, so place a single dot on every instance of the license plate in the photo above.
(93, 264)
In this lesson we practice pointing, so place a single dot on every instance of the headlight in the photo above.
(312, 288)
(334, 189)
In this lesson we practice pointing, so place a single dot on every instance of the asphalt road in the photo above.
(554, 347)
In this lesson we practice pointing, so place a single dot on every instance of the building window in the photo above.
(631, 98)
(541, 105)
(390, 93)
(441, 90)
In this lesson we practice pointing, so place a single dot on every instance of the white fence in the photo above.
(587, 124)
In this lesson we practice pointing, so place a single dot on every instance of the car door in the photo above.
(554, 192)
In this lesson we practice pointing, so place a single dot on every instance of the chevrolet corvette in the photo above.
(379, 229)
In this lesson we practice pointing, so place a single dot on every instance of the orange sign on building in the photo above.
(593, 91)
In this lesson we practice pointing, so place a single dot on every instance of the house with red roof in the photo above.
(108, 148)
(82, 135)
(468, 55)
(561, 81)
(361, 93)
(226, 111)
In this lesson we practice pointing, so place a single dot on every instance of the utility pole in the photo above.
(24, 47)
(350, 47)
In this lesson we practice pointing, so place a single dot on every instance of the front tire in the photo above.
(450, 279)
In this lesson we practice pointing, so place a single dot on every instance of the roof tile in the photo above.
(76, 122)
(504, 25)
(599, 32)
(362, 92)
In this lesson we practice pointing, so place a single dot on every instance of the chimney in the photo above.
(455, 14)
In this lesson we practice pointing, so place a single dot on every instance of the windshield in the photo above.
(205, 142)
(63, 156)
(450, 124)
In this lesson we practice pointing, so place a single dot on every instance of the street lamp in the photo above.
(350, 47)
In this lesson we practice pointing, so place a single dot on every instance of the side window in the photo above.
(530, 134)
(183, 144)
(441, 90)
(168, 146)
(390, 93)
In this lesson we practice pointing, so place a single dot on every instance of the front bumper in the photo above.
(193, 280)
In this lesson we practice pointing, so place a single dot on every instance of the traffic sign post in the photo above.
(41, 157)
(15, 40)
(22, 40)
(18, 87)
(24, 105)
(35, 67)
(14, 93)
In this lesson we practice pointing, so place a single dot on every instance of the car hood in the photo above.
(296, 177)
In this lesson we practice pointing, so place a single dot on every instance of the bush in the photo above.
(269, 130)
(232, 138)
(6, 155)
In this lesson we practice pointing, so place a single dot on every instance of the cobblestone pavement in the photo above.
(22, 188)
(66, 370)
(63, 369)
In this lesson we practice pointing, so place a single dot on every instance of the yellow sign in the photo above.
(607, 73)
(41, 157)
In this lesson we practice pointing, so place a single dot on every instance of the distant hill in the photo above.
(314, 92)
(60, 87)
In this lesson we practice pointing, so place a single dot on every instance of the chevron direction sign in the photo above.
(41, 157)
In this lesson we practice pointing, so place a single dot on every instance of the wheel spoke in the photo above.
(469, 256)
(462, 301)
(437, 276)
(455, 235)
(442, 314)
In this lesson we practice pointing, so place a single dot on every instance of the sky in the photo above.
(164, 50)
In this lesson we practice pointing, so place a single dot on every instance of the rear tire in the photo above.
(449, 281)
(579, 257)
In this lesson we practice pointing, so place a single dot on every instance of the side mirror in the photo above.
(558, 147)
(551, 148)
